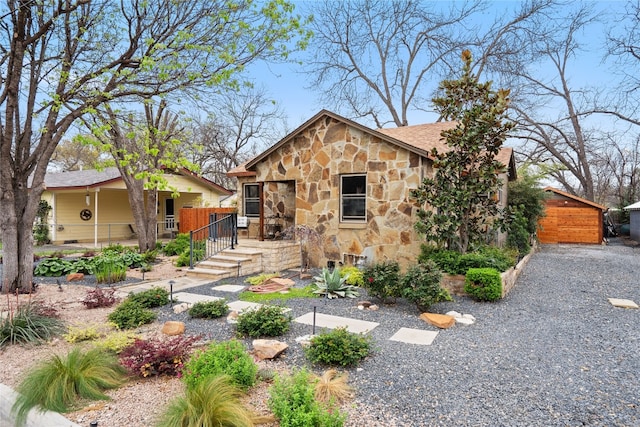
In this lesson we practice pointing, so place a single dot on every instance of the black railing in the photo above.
(221, 233)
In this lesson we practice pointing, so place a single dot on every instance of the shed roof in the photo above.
(574, 197)
(633, 207)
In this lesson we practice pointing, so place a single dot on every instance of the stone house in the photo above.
(349, 183)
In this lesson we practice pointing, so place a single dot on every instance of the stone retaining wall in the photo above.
(454, 283)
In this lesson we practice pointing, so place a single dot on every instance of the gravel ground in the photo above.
(554, 352)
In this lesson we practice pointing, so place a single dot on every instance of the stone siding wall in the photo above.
(315, 159)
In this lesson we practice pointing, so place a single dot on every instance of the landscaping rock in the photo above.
(463, 319)
(282, 281)
(75, 277)
(441, 321)
(268, 349)
(232, 317)
(172, 328)
(180, 308)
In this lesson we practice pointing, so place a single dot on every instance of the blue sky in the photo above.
(287, 85)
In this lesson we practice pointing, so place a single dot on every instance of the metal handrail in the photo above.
(218, 235)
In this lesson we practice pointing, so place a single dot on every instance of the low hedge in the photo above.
(483, 284)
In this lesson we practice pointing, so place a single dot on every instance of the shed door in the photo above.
(571, 225)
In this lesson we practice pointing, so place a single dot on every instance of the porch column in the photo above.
(95, 218)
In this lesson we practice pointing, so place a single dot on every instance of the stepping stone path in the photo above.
(405, 335)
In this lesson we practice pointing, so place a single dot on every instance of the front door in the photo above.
(169, 215)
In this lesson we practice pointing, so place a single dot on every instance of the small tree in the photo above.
(526, 193)
(466, 173)
(308, 237)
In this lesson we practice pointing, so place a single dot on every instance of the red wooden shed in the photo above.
(570, 219)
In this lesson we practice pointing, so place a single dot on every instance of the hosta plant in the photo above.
(332, 285)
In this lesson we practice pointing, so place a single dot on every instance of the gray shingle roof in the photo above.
(83, 178)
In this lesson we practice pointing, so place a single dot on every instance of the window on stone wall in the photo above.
(353, 198)
(251, 196)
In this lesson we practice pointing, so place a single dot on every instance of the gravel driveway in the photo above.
(554, 352)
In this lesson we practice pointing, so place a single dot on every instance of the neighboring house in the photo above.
(570, 219)
(93, 206)
(634, 221)
(348, 182)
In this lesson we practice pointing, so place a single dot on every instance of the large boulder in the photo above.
(441, 321)
(268, 349)
(172, 327)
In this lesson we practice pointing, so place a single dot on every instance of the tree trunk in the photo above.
(144, 212)
(18, 215)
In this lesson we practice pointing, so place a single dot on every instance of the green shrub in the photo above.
(130, 314)
(264, 321)
(151, 298)
(199, 249)
(353, 274)
(421, 285)
(28, 324)
(215, 401)
(117, 341)
(76, 334)
(338, 347)
(517, 234)
(209, 309)
(483, 284)
(60, 383)
(177, 245)
(227, 357)
(113, 249)
(331, 284)
(149, 257)
(382, 280)
(292, 400)
(453, 262)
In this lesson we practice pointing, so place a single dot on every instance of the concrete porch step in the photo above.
(210, 273)
(229, 259)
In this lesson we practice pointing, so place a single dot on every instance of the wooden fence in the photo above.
(194, 218)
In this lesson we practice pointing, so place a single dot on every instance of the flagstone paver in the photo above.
(332, 322)
(414, 336)
(229, 288)
(623, 303)
(193, 298)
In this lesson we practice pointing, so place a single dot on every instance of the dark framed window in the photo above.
(251, 197)
(353, 198)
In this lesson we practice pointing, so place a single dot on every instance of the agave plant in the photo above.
(330, 283)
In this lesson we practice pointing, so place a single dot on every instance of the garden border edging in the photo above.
(35, 418)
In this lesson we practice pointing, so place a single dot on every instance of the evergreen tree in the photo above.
(457, 204)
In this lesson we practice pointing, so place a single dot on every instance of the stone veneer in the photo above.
(302, 180)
